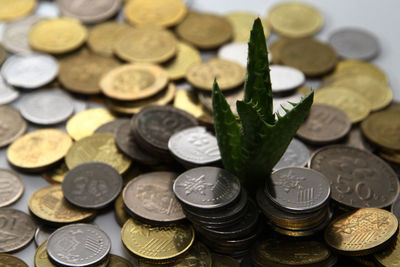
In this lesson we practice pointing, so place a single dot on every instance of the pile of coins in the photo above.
(110, 102)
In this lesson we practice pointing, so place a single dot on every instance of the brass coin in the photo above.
(11, 9)
(389, 257)
(81, 72)
(205, 31)
(102, 37)
(98, 147)
(229, 74)
(188, 101)
(9, 260)
(224, 261)
(57, 36)
(390, 156)
(133, 81)
(361, 232)
(117, 261)
(294, 19)
(146, 44)
(133, 107)
(39, 149)
(276, 49)
(41, 258)
(309, 56)
(120, 214)
(11, 187)
(12, 125)
(56, 175)
(186, 56)
(352, 103)
(242, 22)
(164, 13)
(231, 98)
(48, 204)
(157, 242)
(383, 129)
(84, 123)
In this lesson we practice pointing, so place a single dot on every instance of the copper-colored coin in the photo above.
(150, 197)
(48, 204)
(10, 260)
(39, 149)
(205, 31)
(361, 232)
(146, 44)
(133, 81)
(81, 71)
(309, 56)
(324, 124)
(276, 49)
(229, 74)
(12, 125)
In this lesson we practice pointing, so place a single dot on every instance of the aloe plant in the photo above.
(251, 145)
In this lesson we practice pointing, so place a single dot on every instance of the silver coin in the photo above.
(355, 43)
(78, 245)
(15, 35)
(46, 107)
(195, 145)
(298, 189)
(42, 234)
(7, 93)
(278, 102)
(92, 185)
(296, 155)
(47, 9)
(16, 229)
(11, 187)
(285, 78)
(207, 187)
(236, 52)
(29, 71)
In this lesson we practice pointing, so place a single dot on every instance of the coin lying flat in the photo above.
(88, 11)
(284, 78)
(6, 260)
(296, 155)
(185, 57)
(12, 125)
(3, 54)
(234, 52)
(229, 74)
(135, 46)
(133, 81)
(231, 97)
(7, 93)
(88, 245)
(49, 205)
(112, 126)
(41, 258)
(11, 10)
(205, 31)
(49, 35)
(242, 23)
(354, 43)
(361, 232)
(275, 49)
(17, 229)
(56, 175)
(11, 187)
(359, 179)
(39, 149)
(29, 71)
(207, 187)
(324, 124)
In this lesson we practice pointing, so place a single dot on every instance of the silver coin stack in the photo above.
(219, 209)
(296, 201)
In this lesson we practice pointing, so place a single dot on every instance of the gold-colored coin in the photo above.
(390, 256)
(41, 257)
(383, 129)
(361, 232)
(377, 93)
(133, 81)
(57, 36)
(120, 214)
(132, 107)
(3, 54)
(224, 261)
(354, 104)
(157, 242)
(117, 261)
(98, 147)
(102, 37)
(205, 31)
(187, 56)
(188, 101)
(7, 260)
(276, 49)
(164, 13)
(147, 44)
(242, 22)
(229, 74)
(56, 175)
(81, 72)
(49, 204)
(295, 19)
(14, 9)
(39, 149)
(86, 122)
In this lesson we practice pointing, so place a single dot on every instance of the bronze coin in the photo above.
(12, 125)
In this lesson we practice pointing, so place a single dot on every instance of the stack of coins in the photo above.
(219, 209)
(296, 201)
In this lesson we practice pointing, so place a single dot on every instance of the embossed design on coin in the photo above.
(359, 179)
(150, 197)
(206, 187)
(12, 125)
(296, 155)
(11, 187)
(78, 245)
(16, 229)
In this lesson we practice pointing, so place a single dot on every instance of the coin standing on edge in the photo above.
(11, 187)
(12, 125)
